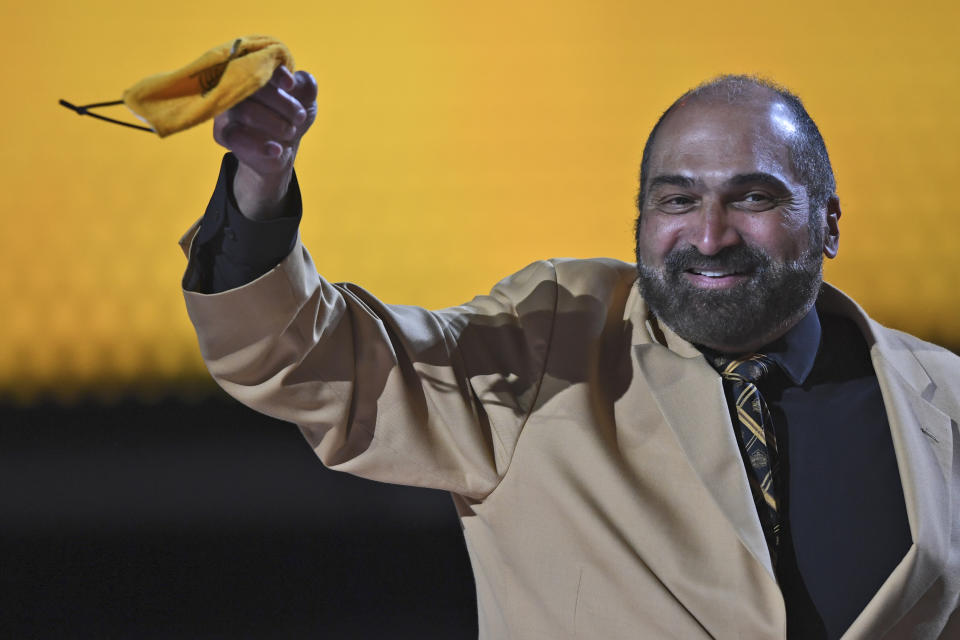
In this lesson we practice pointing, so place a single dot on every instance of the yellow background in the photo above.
(456, 142)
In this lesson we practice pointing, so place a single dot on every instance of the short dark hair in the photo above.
(808, 151)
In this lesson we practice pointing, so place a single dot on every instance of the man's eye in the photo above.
(676, 201)
(758, 201)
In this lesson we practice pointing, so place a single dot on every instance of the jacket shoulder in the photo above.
(594, 275)
(941, 366)
(933, 357)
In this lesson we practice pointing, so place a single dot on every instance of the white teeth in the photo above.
(712, 274)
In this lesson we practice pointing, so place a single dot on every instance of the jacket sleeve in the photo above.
(391, 393)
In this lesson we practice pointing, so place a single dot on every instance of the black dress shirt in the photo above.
(844, 519)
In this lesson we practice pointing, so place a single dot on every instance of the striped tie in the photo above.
(757, 438)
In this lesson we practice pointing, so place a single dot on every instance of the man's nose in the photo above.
(714, 229)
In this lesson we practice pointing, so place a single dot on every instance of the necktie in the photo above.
(755, 432)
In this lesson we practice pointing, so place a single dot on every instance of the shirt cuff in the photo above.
(231, 250)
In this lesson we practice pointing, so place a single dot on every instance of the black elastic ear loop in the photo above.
(84, 111)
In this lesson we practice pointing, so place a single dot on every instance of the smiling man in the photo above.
(730, 237)
(711, 443)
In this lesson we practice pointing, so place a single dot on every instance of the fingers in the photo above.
(304, 89)
(276, 113)
(246, 142)
(271, 124)
(280, 99)
(265, 157)
(264, 130)
(282, 78)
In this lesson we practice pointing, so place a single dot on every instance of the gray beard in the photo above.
(773, 299)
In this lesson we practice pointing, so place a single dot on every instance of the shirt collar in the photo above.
(796, 350)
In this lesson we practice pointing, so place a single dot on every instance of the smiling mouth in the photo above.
(716, 278)
(710, 273)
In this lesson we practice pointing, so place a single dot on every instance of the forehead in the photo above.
(712, 141)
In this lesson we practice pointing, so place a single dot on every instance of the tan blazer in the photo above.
(588, 448)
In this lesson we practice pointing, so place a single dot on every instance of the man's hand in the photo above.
(264, 132)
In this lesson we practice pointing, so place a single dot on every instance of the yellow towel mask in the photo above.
(208, 86)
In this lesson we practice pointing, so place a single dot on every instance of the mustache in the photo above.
(738, 258)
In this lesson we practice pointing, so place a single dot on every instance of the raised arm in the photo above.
(393, 393)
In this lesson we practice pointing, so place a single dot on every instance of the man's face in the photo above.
(726, 253)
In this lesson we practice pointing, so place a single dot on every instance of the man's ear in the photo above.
(831, 240)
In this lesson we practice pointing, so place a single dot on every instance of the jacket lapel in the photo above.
(689, 394)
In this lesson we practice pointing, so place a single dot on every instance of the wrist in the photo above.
(260, 197)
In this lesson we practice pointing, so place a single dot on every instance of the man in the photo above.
(619, 469)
